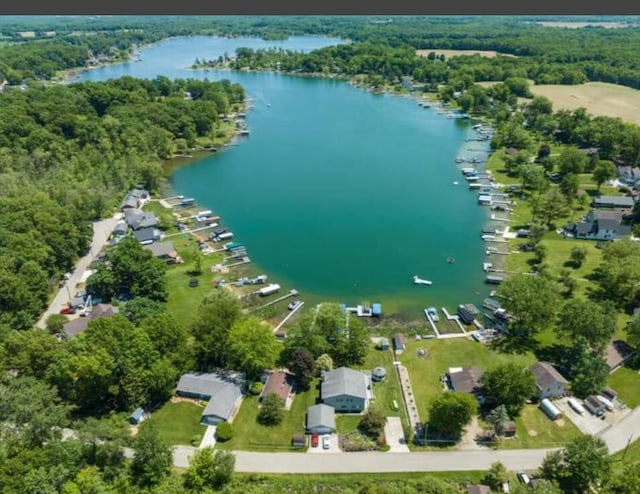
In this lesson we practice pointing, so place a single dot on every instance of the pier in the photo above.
(282, 323)
(455, 318)
(292, 293)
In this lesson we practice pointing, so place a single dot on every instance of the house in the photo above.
(549, 382)
(628, 175)
(594, 405)
(321, 419)
(464, 379)
(468, 313)
(280, 383)
(165, 251)
(384, 344)
(398, 343)
(147, 235)
(600, 225)
(120, 230)
(135, 198)
(222, 389)
(137, 219)
(478, 489)
(617, 353)
(79, 325)
(138, 416)
(345, 389)
(611, 202)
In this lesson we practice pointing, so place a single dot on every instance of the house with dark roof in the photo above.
(138, 219)
(628, 175)
(614, 202)
(147, 235)
(478, 489)
(600, 225)
(222, 389)
(346, 390)
(464, 379)
(321, 419)
(617, 353)
(164, 251)
(121, 229)
(280, 383)
(79, 325)
(549, 382)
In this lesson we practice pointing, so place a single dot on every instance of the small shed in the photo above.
(550, 409)
(137, 416)
(298, 441)
(594, 405)
(509, 429)
(398, 343)
(384, 344)
(376, 310)
(378, 374)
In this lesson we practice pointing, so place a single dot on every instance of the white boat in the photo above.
(455, 183)
(419, 281)
(488, 238)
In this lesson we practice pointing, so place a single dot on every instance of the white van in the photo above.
(575, 404)
(523, 477)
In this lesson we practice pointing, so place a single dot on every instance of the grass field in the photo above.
(179, 423)
(535, 430)
(249, 435)
(453, 53)
(425, 372)
(626, 382)
(598, 98)
(164, 215)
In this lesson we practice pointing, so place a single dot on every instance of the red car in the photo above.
(315, 439)
(67, 310)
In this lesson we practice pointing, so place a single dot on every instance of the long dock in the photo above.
(455, 318)
(292, 293)
(282, 323)
(433, 326)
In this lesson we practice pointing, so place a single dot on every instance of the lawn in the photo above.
(165, 216)
(626, 382)
(536, 430)
(249, 435)
(179, 423)
(425, 371)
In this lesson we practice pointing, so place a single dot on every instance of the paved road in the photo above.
(617, 436)
(101, 231)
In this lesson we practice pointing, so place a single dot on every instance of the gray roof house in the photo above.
(147, 235)
(222, 388)
(346, 390)
(79, 325)
(321, 419)
(164, 250)
(623, 202)
(120, 229)
(465, 379)
(141, 219)
(600, 225)
(549, 382)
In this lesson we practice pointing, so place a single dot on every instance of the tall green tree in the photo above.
(451, 412)
(209, 469)
(591, 323)
(509, 385)
(152, 459)
(604, 171)
(252, 346)
(271, 410)
(302, 366)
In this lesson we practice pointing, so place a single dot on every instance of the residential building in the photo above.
(464, 379)
(138, 219)
(321, 419)
(600, 225)
(222, 389)
(164, 251)
(614, 202)
(549, 382)
(147, 235)
(346, 390)
(617, 353)
(79, 325)
(280, 383)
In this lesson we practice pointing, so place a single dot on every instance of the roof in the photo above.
(121, 227)
(593, 401)
(384, 341)
(321, 416)
(79, 325)
(615, 201)
(478, 489)
(280, 383)
(583, 228)
(344, 381)
(466, 380)
(616, 353)
(137, 414)
(145, 234)
(161, 249)
(398, 341)
(130, 202)
(141, 219)
(223, 388)
(546, 375)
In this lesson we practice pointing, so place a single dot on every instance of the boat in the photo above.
(486, 266)
(432, 313)
(419, 281)
(459, 160)
(455, 183)
(450, 260)
(488, 238)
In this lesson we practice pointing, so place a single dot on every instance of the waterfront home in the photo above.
(346, 390)
(120, 230)
(79, 325)
(138, 219)
(135, 199)
(549, 382)
(147, 235)
(600, 225)
(464, 379)
(617, 353)
(611, 202)
(628, 175)
(221, 389)
(280, 383)
(321, 419)
(164, 251)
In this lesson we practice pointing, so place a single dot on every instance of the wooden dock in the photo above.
(282, 323)
(292, 293)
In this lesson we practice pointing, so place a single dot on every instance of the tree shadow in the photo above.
(513, 345)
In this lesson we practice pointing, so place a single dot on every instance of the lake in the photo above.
(342, 194)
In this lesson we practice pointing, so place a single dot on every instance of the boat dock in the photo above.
(282, 323)
(455, 318)
(292, 293)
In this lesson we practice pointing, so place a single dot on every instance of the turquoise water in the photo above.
(339, 193)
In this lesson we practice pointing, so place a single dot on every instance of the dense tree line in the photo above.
(68, 154)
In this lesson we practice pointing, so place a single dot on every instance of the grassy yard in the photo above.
(626, 382)
(179, 423)
(249, 435)
(164, 215)
(425, 371)
(535, 430)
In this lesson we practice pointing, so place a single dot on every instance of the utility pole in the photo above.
(627, 447)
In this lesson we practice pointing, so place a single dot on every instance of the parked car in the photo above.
(294, 304)
(326, 442)
(523, 477)
(67, 310)
(315, 439)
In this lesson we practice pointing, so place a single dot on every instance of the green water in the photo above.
(339, 193)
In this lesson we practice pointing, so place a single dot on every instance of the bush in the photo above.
(256, 388)
(224, 431)
(195, 441)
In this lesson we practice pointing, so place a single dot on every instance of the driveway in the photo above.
(394, 435)
(335, 446)
(587, 423)
(209, 437)
(101, 231)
